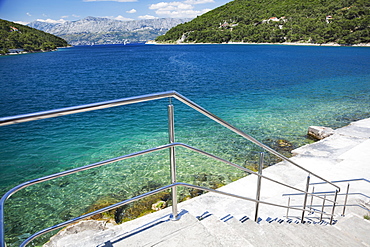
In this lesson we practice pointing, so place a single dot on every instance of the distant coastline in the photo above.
(152, 42)
(22, 51)
(304, 44)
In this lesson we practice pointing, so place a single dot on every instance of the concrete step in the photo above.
(356, 209)
(187, 232)
(209, 230)
(356, 227)
(223, 232)
(248, 230)
(294, 234)
(324, 235)
(260, 235)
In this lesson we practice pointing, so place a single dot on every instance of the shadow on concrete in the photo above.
(140, 229)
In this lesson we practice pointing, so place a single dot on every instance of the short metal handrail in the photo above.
(335, 193)
(328, 193)
(344, 181)
(171, 146)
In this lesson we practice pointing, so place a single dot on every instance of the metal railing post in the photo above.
(258, 194)
(332, 211)
(171, 134)
(345, 200)
(287, 209)
(2, 224)
(305, 197)
(313, 191)
(322, 208)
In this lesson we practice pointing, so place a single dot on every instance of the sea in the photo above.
(271, 92)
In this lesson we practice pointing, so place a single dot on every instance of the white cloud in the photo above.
(22, 22)
(67, 16)
(28, 14)
(52, 21)
(131, 11)
(198, 1)
(121, 1)
(205, 10)
(118, 18)
(178, 9)
(147, 17)
(163, 6)
(121, 18)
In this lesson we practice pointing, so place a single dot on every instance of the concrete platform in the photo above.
(344, 155)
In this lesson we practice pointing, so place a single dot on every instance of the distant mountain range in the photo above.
(96, 31)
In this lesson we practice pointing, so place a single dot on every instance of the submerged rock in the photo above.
(142, 207)
(319, 132)
(159, 205)
(284, 144)
(102, 203)
(281, 145)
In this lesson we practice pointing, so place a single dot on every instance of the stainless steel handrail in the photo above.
(136, 198)
(335, 193)
(241, 133)
(344, 181)
(62, 174)
(128, 156)
(107, 104)
(82, 108)
(120, 158)
(143, 98)
(328, 193)
(246, 169)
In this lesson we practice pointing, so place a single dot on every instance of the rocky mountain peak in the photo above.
(97, 30)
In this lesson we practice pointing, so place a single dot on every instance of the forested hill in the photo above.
(278, 21)
(17, 36)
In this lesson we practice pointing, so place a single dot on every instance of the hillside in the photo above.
(17, 36)
(94, 30)
(278, 21)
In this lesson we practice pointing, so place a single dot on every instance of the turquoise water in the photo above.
(271, 92)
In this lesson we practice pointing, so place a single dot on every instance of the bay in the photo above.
(272, 92)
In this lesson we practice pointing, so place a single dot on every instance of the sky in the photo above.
(54, 11)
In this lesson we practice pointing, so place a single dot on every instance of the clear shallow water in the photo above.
(271, 92)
